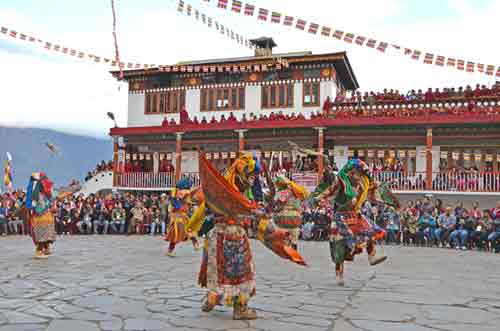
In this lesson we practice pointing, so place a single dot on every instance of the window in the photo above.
(232, 98)
(165, 102)
(311, 94)
(274, 96)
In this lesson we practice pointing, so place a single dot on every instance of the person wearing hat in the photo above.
(180, 203)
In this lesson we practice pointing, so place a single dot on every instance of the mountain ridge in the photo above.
(76, 154)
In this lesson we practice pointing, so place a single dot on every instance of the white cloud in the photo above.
(75, 95)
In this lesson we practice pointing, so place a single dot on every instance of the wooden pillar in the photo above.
(321, 146)
(115, 161)
(241, 140)
(428, 168)
(178, 156)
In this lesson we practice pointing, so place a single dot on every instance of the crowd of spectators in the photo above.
(252, 117)
(436, 95)
(424, 222)
(101, 167)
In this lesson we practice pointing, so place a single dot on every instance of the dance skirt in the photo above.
(176, 231)
(42, 228)
(227, 268)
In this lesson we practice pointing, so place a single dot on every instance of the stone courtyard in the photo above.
(126, 283)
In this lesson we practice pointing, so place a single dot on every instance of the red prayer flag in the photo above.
(301, 24)
(382, 47)
(451, 62)
(470, 66)
(13, 33)
(249, 9)
(416, 54)
(288, 21)
(428, 58)
(236, 6)
(325, 31)
(222, 4)
(490, 69)
(360, 40)
(275, 17)
(480, 67)
(338, 34)
(460, 64)
(65, 50)
(371, 43)
(4, 29)
(408, 51)
(313, 28)
(349, 37)
(263, 14)
(439, 60)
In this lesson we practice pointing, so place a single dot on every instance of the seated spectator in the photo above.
(164, 123)
(3, 218)
(137, 218)
(204, 120)
(213, 120)
(100, 220)
(172, 122)
(118, 219)
(84, 224)
(157, 223)
(195, 120)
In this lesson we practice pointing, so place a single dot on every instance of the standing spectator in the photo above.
(118, 219)
(3, 217)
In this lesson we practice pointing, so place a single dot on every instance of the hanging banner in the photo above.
(216, 156)
(380, 154)
(208, 156)
(488, 158)
(455, 155)
(402, 153)
(224, 155)
(148, 157)
(162, 156)
(348, 37)
(232, 155)
(134, 156)
(169, 156)
(466, 156)
(392, 154)
(361, 153)
(371, 153)
(444, 155)
(478, 157)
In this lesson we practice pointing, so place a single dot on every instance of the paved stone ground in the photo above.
(119, 283)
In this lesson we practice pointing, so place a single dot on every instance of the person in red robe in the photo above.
(184, 116)
(164, 123)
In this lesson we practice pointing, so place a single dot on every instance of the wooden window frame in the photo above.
(308, 86)
(211, 97)
(169, 99)
(288, 90)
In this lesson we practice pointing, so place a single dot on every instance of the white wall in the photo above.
(421, 160)
(136, 116)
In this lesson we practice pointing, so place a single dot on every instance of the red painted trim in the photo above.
(429, 120)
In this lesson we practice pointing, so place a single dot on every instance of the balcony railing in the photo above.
(400, 181)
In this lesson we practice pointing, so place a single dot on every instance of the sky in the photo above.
(43, 89)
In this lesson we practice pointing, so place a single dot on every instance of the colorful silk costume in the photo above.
(287, 206)
(351, 231)
(227, 268)
(180, 204)
(42, 230)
